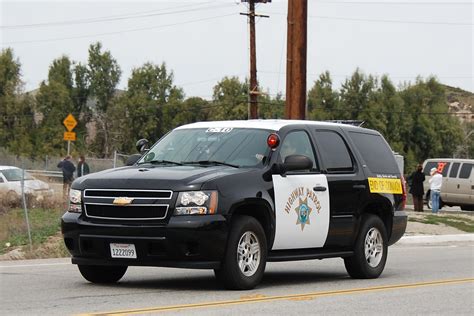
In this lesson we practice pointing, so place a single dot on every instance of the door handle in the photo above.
(458, 186)
(319, 189)
(359, 186)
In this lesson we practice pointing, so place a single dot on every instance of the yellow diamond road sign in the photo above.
(70, 122)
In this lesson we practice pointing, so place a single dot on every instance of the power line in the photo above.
(118, 32)
(324, 17)
(111, 18)
(395, 2)
(390, 76)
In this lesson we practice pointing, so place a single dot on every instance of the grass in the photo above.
(461, 223)
(45, 227)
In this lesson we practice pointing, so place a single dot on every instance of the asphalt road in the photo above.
(418, 279)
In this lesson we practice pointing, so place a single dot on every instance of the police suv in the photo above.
(233, 195)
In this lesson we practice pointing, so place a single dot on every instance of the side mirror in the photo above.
(296, 162)
(132, 159)
(142, 145)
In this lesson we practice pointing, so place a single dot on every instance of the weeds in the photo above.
(461, 223)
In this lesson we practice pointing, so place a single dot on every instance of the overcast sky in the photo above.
(202, 41)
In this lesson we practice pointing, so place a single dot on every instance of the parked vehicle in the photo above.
(458, 181)
(232, 195)
(10, 186)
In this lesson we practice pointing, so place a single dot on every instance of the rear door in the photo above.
(347, 184)
(465, 184)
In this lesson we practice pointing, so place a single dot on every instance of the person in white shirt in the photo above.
(435, 187)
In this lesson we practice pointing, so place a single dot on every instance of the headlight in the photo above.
(75, 199)
(196, 203)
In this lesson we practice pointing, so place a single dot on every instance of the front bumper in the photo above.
(399, 225)
(185, 241)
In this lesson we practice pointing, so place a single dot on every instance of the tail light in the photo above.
(404, 193)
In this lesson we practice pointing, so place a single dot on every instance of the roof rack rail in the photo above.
(358, 123)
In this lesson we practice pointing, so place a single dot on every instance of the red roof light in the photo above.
(273, 141)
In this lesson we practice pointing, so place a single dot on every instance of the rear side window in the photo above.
(377, 155)
(466, 170)
(454, 170)
(442, 167)
(334, 151)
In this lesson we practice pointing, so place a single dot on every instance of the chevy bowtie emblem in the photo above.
(123, 201)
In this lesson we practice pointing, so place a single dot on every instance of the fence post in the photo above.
(115, 158)
(23, 198)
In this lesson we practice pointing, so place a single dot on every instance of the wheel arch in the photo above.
(262, 212)
(383, 209)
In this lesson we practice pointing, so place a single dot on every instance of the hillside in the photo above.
(461, 102)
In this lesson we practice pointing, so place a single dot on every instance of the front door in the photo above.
(301, 199)
(302, 211)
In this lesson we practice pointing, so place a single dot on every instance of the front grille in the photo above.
(148, 194)
(144, 204)
(132, 212)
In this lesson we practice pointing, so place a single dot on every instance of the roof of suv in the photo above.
(274, 125)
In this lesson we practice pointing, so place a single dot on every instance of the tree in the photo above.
(103, 74)
(323, 102)
(355, 94)
(151, 105)
(16, 115)
(230, 99)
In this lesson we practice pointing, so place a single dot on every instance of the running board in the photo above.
(293, 255)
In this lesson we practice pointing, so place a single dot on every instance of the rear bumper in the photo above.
(399, 225)
(185, 242)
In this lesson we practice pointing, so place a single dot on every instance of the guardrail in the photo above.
(53, 175)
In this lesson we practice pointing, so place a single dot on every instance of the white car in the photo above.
(10, 185)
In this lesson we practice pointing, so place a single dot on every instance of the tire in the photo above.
(102, 274)
(428, 200)
(467, 207)
(245, 257)
(373, 240)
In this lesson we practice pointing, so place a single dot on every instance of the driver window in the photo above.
(297, 143)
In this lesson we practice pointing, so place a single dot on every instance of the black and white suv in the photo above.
(233, 195)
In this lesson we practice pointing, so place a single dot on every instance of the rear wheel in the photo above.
(370, 250)
(102, 274)
(245, 257)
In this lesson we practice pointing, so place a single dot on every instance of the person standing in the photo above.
(416, 189)
(435, 187)
(82, 167)
(68, 169)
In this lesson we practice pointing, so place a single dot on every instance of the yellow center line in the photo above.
(259, 298)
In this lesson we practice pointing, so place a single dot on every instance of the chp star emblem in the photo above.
(303, 211)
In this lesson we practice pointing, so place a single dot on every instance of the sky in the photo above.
(202, 41)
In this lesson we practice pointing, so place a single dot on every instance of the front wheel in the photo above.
(245, 257)
(102, 274)
(370, 250)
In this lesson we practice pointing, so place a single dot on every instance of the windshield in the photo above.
(15, 175)
(237, 147)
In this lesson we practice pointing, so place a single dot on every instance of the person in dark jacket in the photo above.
(68, 169)
(416, 189)
(82, 167)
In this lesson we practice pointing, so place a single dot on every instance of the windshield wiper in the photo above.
(210, 162)
(162, 162)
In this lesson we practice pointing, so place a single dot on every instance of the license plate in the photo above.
(123, 251)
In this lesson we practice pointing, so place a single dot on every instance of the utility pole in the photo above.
(253, 90)
(296, 59)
